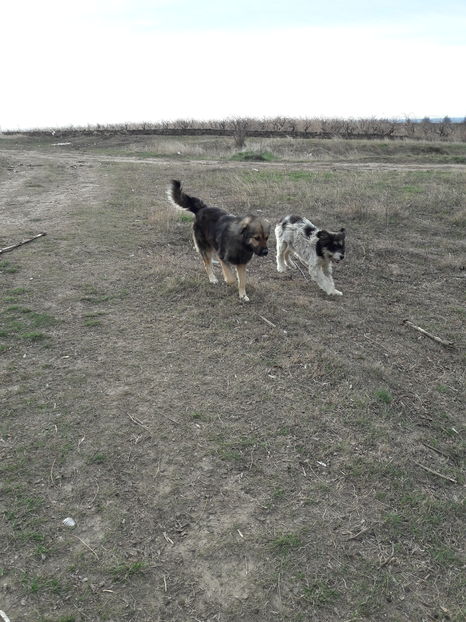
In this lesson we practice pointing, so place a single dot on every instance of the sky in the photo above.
(83, 62)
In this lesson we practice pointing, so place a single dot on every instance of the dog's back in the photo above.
(298, 234)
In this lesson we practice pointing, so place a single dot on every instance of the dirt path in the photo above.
(82, 158)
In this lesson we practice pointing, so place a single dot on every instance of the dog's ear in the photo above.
(244, 224)
(323, 235)
(266, 227)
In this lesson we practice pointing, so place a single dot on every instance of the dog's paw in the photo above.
(281, 269)
(244, 298)
(213, 279)
(336, 292)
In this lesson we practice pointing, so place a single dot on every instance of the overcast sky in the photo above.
(79, 62)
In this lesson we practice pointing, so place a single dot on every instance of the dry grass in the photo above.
(220, 468)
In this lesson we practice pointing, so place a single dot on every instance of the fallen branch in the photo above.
(429, 470)
(13, 246)
(441, 453)
(389, 559)
(86, 545)
(360, 533)
(268, 321)
(137, 422)
(424, 332)
(305, 277)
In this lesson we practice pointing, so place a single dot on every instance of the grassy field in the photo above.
(296, 458)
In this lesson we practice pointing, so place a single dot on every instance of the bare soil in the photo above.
(295, 458)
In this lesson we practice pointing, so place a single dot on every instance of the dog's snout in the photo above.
(263, 252)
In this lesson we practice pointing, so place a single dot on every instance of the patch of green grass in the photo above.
(31, 536)
(383, 395)
(234, 450)
(412, 189)
(39, 584)
(93, 295)
(445, 556)
(41, 320)
(18, 308)
(17, 291)
(91, 319)
(92, 322)
(97, 458)
(420, 517)
(320, 594)
(33, 336)
(21, 322)
(278, 493)
(284, 544)
(252, 156)
(230, 455)
(123, 572)
(308, 176)
(284, 431)
(374, 591)
(96, 299)
(185, 218)
(23, 510)
(7, 267)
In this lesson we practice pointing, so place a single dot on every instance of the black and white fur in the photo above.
(317, 249)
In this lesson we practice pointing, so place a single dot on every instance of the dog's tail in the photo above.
(180, 199)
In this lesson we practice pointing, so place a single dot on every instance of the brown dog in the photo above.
(235, 239)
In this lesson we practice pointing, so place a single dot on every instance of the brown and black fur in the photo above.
(234, 239)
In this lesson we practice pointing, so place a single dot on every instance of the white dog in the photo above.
(315, 248)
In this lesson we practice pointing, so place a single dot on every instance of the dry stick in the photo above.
(441, 453)
(85, 544)
(51, 472)
(424, 332)
(13, 246)
(360, 533)
(449, 479)
(389, 559)
(137, 422)
(170, 419)
(268, 321)
(299, 268)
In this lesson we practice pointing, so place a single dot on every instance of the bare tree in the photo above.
(240, 130)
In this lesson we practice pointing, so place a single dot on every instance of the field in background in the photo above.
(295, 458)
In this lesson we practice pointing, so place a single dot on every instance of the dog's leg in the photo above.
(322, 275)
(281, 252)
(328, 272)
(227, 273)
(241, 274)
(288, 261)
(207, 259)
